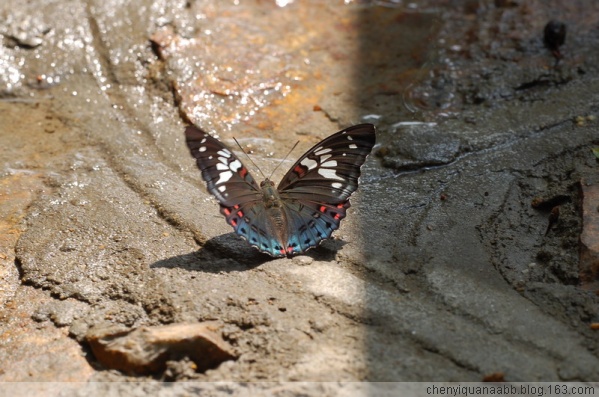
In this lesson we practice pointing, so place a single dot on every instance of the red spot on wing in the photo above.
(243, 172)
(233, 222)
(227, 211)
(290, 249)
(337, 216)
(235, 207)
(340, 205)
(240, 213)
(322, 209)
(299, 170)
(282, 252)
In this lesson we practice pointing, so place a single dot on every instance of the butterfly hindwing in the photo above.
(312, 222)
(250, 222)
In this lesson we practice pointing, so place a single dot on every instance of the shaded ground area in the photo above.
(443, 270)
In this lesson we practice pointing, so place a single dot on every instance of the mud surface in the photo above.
(442, 270)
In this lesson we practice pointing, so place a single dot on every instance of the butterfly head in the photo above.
(267, 183)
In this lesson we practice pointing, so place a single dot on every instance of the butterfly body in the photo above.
(307, 205)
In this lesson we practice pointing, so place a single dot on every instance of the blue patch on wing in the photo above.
(311, 222)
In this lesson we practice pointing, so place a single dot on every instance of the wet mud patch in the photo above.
(492, 53)
(505, 106)
(533, 239)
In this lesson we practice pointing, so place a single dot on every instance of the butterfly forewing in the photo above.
(229, 182)
(329, 171)
(226, 177)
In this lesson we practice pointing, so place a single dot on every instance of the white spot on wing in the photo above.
(353, 146)
(203, 149)
(349, 138)
(221, 167)
(325, 157)
(235, 165)
(224, 177)
(330, 164)
(222, 188)
(320, 151)
(224, 153)
(329, 174)
(309, 163)
(337, 185)
(203, 140)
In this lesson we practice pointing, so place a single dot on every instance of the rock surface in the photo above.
(442, 269)
(146, 350)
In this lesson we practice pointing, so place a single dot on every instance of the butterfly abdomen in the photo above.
(276, 219)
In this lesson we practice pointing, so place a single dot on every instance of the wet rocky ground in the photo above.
(452, 264)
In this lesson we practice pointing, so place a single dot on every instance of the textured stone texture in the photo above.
(442, 270)
(146, 350)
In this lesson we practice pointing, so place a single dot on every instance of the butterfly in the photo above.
(307, 205)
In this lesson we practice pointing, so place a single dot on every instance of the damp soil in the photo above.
(445, 269)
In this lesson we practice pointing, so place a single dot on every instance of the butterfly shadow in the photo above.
(229, 253)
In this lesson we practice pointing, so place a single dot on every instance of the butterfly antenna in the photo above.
(285, 158)
(248, 156)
